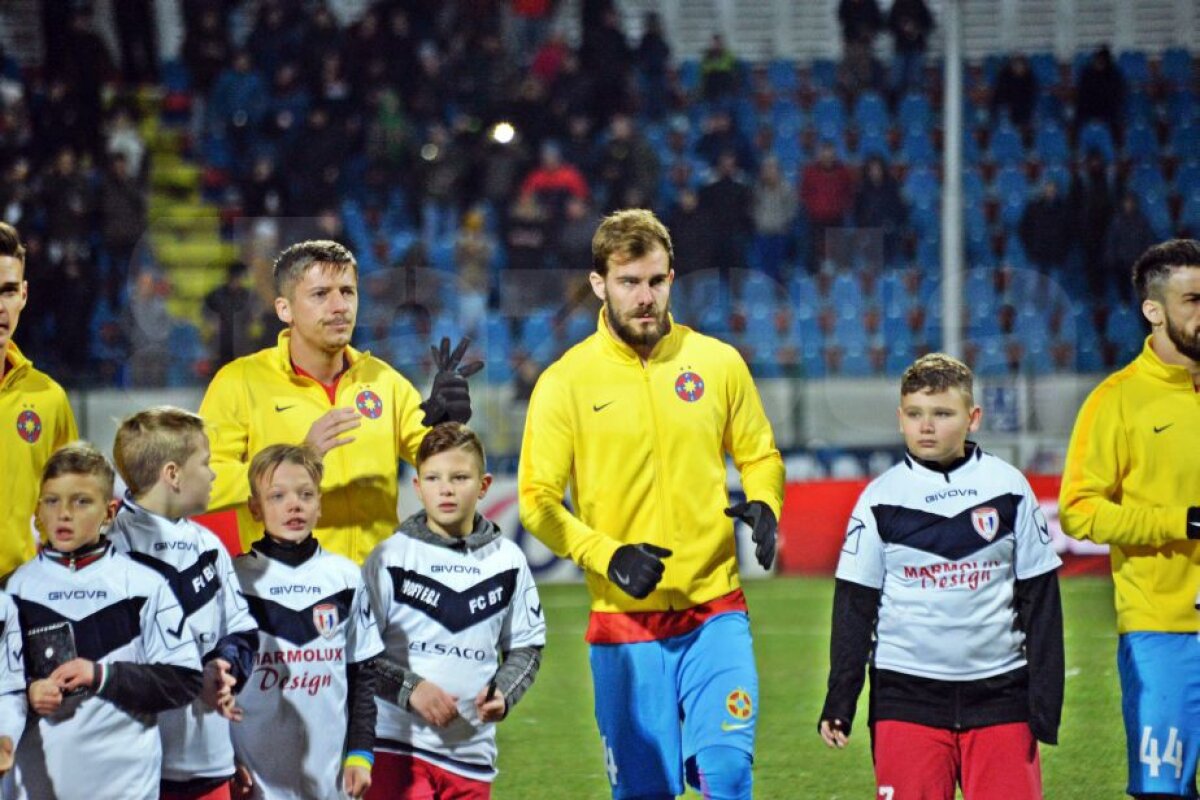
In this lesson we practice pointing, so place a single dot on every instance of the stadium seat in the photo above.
(873, 142)
(856, 362)
(1050, 143)
(1177, 67)
(824, 73)
(1006, 146)
(1141, 144)
(871, 112)
(781, 75)
(1139, 107)
(1096, 136)
(1146, 178)
(828, 118)
(689, 75)
(1135, 67)
(1124, 325)
(1154, 206)
(1045, 68)
(1185, 140)
(915, 113)
(1187, 177)
(1189, 213)
(899, 356)
(1059, 174)
(917, 148)
(921, 181)
(1182, 107)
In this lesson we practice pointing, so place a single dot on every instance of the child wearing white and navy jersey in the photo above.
(947, 563)
(12, 683)
(462, 624)
(308, 730)
(106, 646)
(162, 454)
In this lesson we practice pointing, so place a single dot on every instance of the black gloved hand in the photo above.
(449, 399)
(637, 568)
(763, 527)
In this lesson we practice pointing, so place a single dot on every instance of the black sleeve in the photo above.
(1039, 613)
(148, 688)
(360, 730)
(855, 609)
(393, 682)
(238, 649)
(516, 674)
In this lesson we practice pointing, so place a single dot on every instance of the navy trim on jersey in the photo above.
(952, 538)
(453, 609)
(97, 634)
(405, 749)
(295, 625)
(191, 587)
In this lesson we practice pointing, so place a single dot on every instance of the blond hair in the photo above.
(629, 235)
(269, 459)
(149, 440)
(935, 373)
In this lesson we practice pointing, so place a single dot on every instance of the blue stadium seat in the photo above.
(1177, 67)
(856, 363)
(497, 347)
(1124, 325)
(1010, 180)
(919, 182)
(870, 111)
(1006, 145)
(689, 74)
(848, 329)
(1096, 136)
(917, 148)
(915, 112)
(1146, 178)
(537, 335)
(828, 117)
(1185, 140)
(1154, 206)
(899, 356)
(1135, 67)
(873, 142)
(1139, 107)
(1059, 174)
(1088, 355)
(1189, 214)
(1045, 68)
(759, 290)
(991, 359)
(1187, 177)
(781, 75)
(1037, 358)
(1140, 142)
(824, 73)
(1050, 143)
(1182, 107)
(580, 325)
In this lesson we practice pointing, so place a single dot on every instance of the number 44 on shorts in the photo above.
(1172, 753)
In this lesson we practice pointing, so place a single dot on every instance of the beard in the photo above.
(637, 337)
(1187, 345)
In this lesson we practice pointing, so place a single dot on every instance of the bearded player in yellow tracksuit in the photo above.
(1132, 481)
(638, 419)
(360, 415)
(35, 418)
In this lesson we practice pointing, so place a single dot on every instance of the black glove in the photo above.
(449, 399)
(763, 526)
(637, 568)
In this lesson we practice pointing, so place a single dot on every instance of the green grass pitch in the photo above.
(549, 748)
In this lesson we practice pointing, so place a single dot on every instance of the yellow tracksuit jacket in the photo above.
(643, 447)
(35, 420)
(259, 400)
(1132, 471)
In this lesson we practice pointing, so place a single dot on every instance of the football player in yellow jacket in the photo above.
(357, 412)
(637, 420)
(1132, 481)
(35, 418)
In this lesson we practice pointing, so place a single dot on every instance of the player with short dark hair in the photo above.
(1132, 481)
(355, 411)
(106, 646)
(637, 419)
(35, 417)
(308, 728)
(453, 598)
(948, 566)
(162, 454)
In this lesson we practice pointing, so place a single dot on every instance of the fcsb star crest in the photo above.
(739, 705)
(368, 404)
(689, 387)
(29, 425)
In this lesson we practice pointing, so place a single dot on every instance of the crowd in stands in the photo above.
(465, 152)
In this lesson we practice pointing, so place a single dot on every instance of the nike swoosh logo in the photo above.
(621, 577)
(602, 407)
(284, 408)
(734, 726)
(1163, 428)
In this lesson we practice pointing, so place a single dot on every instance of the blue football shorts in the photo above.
(658, 703)
(1160, 700)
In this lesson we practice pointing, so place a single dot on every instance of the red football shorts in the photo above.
(917, 762)
(217, 793)
(401, 777)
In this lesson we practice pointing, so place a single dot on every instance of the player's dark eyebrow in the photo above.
(10, 286)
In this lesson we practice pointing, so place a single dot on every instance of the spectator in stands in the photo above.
(123, 224)
(231, 309)
(136, 26)
(691, 235)
(827, 194)
(553, 181)
(774, 210)
(606, 56)
(389, 133)
(264, 192)
(316, 160)
(528, 238)
(653, 59)
(68, 201)
(573, 247)
(718, 70)
(87, 66)
(238, 102)
(880, 210)
(123, 137)
(1045, 229)
(860, 20)
(1093, 200)
(1015, 91)
(629, 166)
(579, 146)
(147, 327)
(206, 50)
(1100, 94)
(474, 251)
(287, 107)
(1129, 235)
(75, 291)
(721, 136)
(440, 170)
(726, 203)
(910, 23)
(18, 199)
(548, 60)
(334, 88)
(274, 41)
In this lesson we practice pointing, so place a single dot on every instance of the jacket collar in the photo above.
(612, 346)
(417, 527)
(957, 468)
(1150, 363)
(283, 355)
(16, 362)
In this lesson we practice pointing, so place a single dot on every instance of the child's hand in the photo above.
(242, 787)
(6, 753)
(78, 673)
(833, 732)
(44, 697)
(356, 780)
(433, 704)
(490, 704)
(217, 689)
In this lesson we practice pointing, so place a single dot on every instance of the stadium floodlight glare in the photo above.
(503, 132)
(429, 151)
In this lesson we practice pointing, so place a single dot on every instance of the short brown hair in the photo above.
(10, 243)
(293, 262)
(449, 436)
(269, 459)
(628, 235)
(80, 458)
(149, 440)
(1156, 264)
(935, 373)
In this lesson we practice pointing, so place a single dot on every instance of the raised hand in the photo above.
(450, 399)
